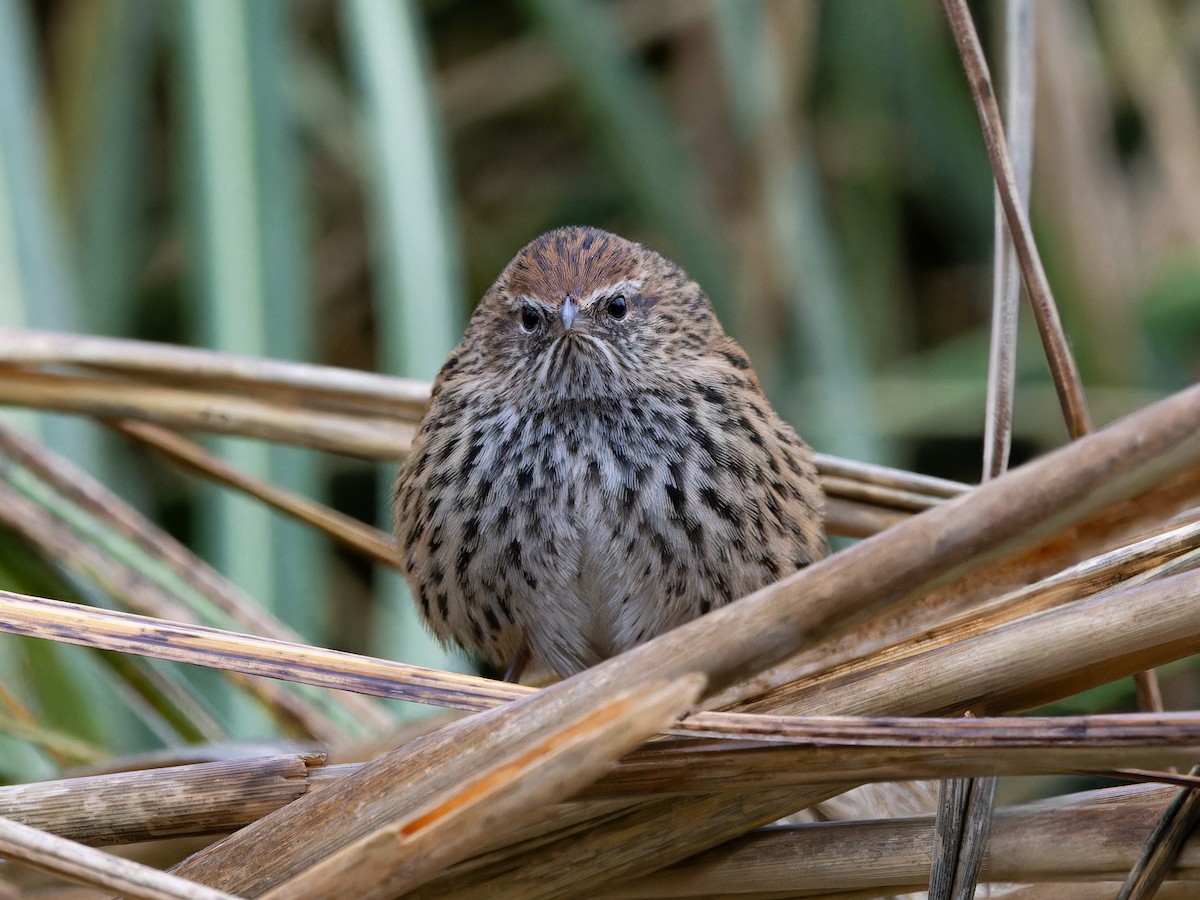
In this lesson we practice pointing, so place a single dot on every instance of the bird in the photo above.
(598, 464)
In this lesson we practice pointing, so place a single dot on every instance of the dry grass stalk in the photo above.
(1020, 63)
(220, 797)
(369, 436)
(1162, 851)
(206, 798)
(1045, 310)
(962, 827)
(834, 467)
(1107, 530)
(345, 389)
(377, 545)
(87, 865)
(858, 520)
(874, 495)
(1085, 838)
(176, 567)
(1128, 566)
(248, 654)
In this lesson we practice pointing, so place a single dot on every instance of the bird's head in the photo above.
(580, 313)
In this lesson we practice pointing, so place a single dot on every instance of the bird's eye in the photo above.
(531, 318)
(617, 307)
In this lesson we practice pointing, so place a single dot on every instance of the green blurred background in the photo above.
(339, 182)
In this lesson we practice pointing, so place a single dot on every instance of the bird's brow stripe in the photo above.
(518, 300)
(610, 290)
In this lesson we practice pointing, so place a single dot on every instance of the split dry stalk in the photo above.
(1019, 84)
(409, 852)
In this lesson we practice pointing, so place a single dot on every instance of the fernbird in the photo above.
(598, 464)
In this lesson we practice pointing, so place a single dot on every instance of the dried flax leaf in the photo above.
(514, 689)
(633, 835)
(1015, 510)
(1094, 731)
(468, 816)
(961, 828)
(804, 750)
(1121, 489)
(708, 768)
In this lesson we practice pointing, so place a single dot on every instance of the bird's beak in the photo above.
(569, 311)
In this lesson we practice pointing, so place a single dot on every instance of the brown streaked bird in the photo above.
(598, 463)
